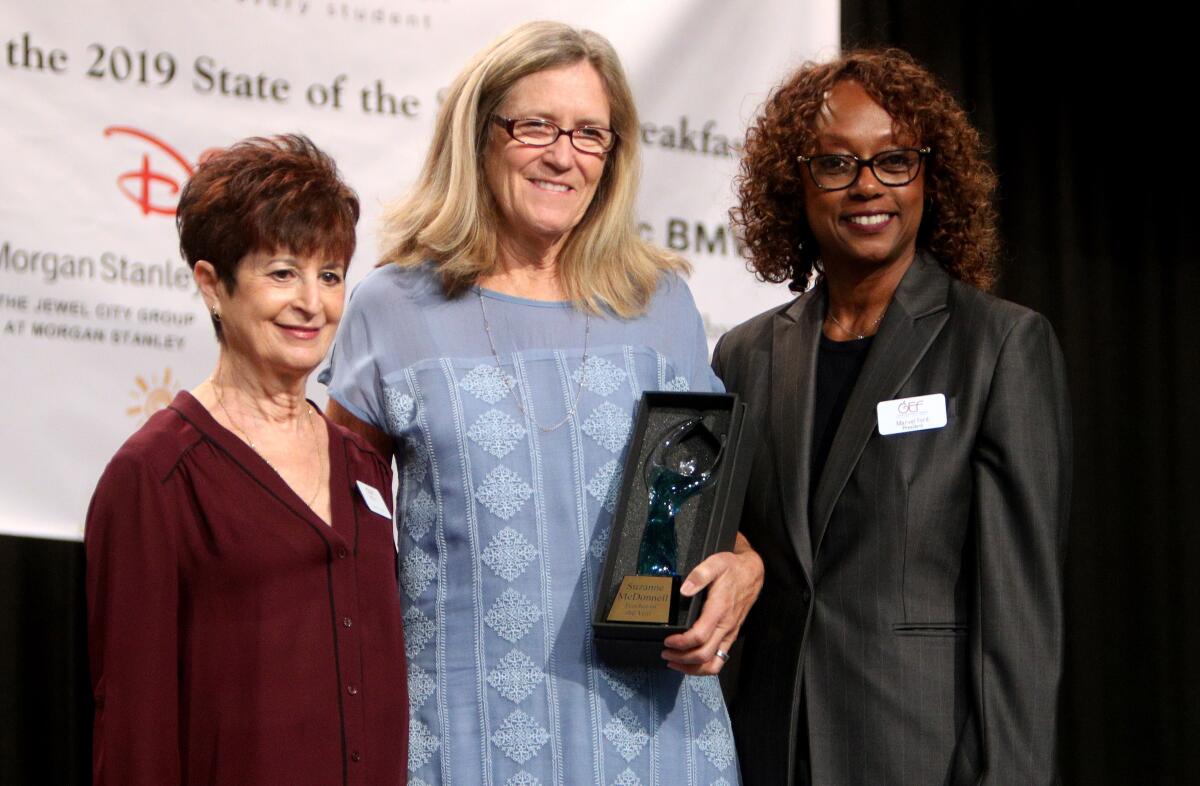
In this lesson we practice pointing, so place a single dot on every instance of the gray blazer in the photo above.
(916, 592)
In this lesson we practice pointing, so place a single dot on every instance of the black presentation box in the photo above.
(706, 523)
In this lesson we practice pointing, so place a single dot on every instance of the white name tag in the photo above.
(374, 500)
(911, 414)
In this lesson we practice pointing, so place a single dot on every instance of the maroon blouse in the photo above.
(235, 638)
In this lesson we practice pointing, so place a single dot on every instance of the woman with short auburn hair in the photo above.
(243, 619)
(499, 353)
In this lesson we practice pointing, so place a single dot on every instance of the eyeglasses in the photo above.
(891, 167)
(542, 133)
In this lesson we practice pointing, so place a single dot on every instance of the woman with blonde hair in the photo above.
(498, 353)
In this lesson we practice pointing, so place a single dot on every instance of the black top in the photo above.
(838, 365)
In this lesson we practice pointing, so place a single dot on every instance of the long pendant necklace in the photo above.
(246, 437)
(512, 385)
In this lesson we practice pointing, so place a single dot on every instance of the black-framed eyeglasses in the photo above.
(891, 167)
(542, 133)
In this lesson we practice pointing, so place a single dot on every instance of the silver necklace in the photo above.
(860, 336)
(241, 432)
(587, 329)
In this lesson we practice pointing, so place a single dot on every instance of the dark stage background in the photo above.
(1087, 119)
(1085, 110)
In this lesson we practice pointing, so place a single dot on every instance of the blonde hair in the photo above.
(451, 217)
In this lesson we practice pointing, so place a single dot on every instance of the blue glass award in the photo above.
(681, 466)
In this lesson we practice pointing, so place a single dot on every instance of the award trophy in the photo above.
(681, 466)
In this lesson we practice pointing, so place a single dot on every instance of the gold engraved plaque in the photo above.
(646, 599)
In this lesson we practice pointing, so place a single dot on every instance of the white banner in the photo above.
(110, 102)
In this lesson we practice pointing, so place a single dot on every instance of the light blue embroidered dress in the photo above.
(502, 528)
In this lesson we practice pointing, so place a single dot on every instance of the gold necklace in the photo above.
(246, 437)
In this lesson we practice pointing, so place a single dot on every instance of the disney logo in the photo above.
(150, 189)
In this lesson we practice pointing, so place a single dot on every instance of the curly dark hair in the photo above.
(959, 223)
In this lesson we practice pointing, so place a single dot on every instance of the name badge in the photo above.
(911, 414)
(374, 500)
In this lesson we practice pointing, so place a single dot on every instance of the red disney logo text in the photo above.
(137, 184)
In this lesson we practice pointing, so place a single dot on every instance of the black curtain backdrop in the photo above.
(1090, 121)
(45, 693)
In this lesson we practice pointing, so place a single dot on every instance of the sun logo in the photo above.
(153, 395)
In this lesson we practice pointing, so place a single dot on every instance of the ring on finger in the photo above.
(723, 655)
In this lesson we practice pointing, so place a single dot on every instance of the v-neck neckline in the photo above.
(260, 470)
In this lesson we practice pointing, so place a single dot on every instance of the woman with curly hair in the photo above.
(911, 499)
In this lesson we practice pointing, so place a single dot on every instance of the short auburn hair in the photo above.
(265, 194)
(959, 223)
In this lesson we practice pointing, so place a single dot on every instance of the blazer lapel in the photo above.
(797, 330)
(916, 316)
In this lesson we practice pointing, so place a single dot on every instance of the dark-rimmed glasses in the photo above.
(535, 132)
(891, 167)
